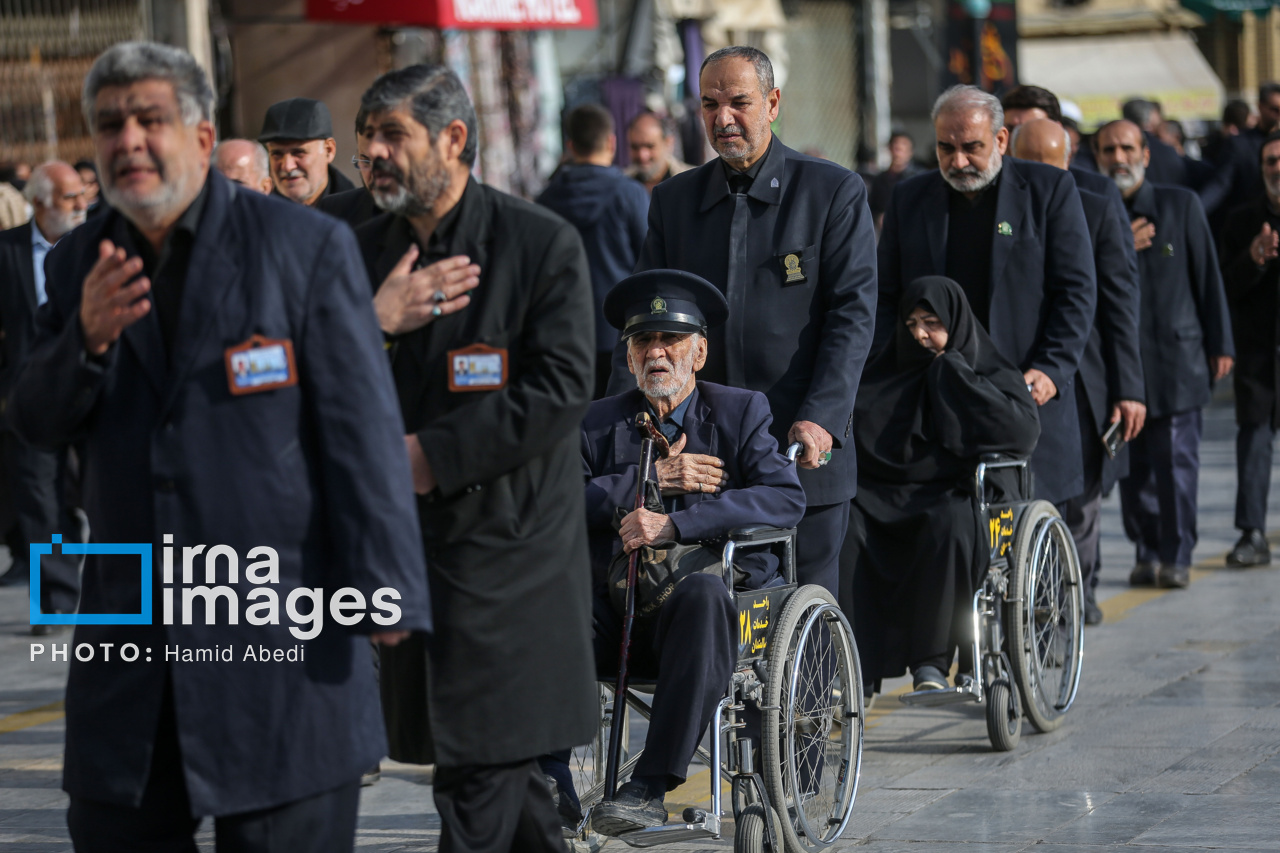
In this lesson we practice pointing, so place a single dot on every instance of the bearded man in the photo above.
(724, 472)
(493, 385)
(1014, 235)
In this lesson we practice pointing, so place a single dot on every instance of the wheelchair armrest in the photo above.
(762, 534)
(1002, 460)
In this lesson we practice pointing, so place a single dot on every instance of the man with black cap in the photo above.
(298, 134)
(724, 472)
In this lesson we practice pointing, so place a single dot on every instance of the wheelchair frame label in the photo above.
(755, 612)
(1000, 528)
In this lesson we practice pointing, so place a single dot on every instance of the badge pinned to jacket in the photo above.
(791, 267)
(1004, 229)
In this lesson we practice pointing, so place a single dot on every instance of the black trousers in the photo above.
(163, 823)
(689, 648)
(36, 479)
(820, 535)
(1083, 513)
(1158, 498)
(1253, 475)
(503, 808)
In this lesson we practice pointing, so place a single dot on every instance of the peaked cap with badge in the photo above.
(664, 300)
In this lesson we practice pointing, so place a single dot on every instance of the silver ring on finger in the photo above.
(437, 311)
(439, 296)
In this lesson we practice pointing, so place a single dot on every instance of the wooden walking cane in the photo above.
(651, 441)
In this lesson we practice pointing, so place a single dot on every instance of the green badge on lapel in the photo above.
(1168, 250)
(1004, 229)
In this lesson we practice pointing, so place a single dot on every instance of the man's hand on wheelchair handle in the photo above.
(641, 527)
(816, 441)
(686, 473)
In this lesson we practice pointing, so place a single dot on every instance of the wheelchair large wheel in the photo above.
(813, 720)
(1044, 616)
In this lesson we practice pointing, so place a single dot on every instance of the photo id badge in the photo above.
(477, 368)
(260, 364)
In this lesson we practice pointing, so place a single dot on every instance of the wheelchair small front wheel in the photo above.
(1045, 616)
(1004, 719)
(813, 721)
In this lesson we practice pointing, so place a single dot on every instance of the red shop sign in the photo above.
(460, 14)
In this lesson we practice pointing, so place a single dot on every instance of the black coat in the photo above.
(316, 471)
(803, 343)
(511, 674)
(1184, 308)
(354, 207)
(1043, 293)
(1255, 315)
(17, 304)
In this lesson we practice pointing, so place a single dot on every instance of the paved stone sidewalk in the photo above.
(1173, 744)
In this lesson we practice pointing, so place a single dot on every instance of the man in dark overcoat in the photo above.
(1186, 347)
(1014, 236)
(291, 473)
(485, 301)
(1252, 278)
(1109, 386)
(36, 477)
(789, 240)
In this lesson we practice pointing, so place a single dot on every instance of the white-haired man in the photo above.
(1013, 234)
(244, 162)
(35, 476)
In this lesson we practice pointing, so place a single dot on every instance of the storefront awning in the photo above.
(460, 14)
(1101, 72)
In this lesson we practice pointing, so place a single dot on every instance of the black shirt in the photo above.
(740, 182)
(437, 248)
(971, 227)
(168, 269)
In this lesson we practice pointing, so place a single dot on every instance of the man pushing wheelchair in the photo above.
(723, 471)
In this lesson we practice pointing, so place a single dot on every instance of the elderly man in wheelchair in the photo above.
(723, 472)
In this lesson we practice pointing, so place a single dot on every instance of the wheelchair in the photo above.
(798, 663)
(1027, 619)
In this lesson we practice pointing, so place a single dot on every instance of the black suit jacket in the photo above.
(505, 531)
(315, 471)
(1255, 316)
(354, 207)
(17, 304)
(1043, 294)
(800, 343)
(1184, 308)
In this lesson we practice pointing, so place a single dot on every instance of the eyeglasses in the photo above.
(361, 162)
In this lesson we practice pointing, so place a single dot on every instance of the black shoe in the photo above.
(1173, 577)
(1143, 574)
(635, 807)
(1251, 550)
(570, 815)
(928, 678)
(1092, 612)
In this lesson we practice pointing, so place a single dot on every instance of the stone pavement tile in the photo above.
(31, 817)
(1197, 691)
(1205, 770)
(1111, 848)
(1157, 725)
(1219, 821)
(896, 846)
(1121, 819)
(31, 798)
(1263, 778)
(1072, 767)
(992, 816)
(28, 842)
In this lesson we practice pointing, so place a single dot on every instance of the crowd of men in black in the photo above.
(425, 420)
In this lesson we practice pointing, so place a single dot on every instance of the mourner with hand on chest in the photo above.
(216, 355)
(486, 304)
(1250, 246)
(788, 239)
(1187, 345)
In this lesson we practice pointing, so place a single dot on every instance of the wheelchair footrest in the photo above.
(708, 826)
(945, 696)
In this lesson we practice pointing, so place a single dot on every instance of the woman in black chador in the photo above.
(934, 400)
